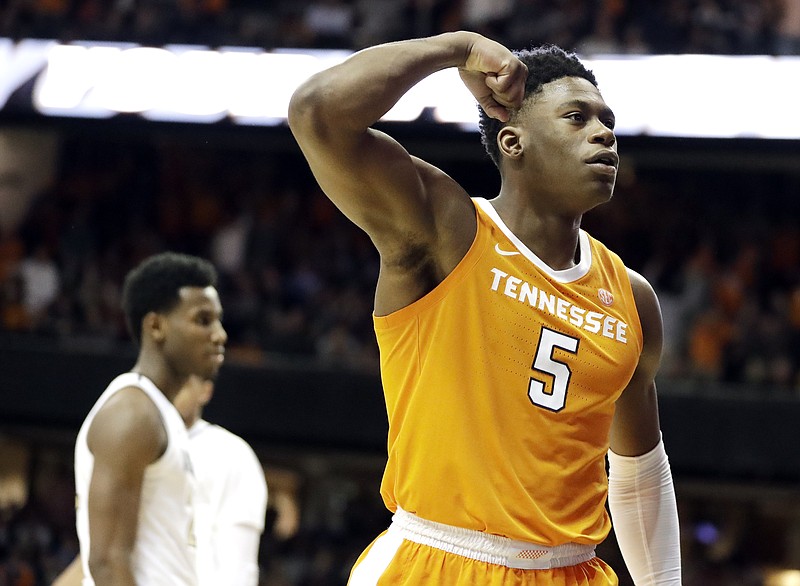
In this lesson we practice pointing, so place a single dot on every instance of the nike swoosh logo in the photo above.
(499, 250)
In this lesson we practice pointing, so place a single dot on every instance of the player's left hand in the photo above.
(495, 76)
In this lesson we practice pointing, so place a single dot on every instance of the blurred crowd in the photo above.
(295, 278)
(590, 26)
(722, 249)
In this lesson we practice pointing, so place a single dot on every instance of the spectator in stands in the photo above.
(329, 24)
(787, 40)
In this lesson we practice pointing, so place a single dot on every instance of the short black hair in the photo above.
(545, 63)
(155, 283)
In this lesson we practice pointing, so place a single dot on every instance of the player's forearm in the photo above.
(358, 92)
(641, 499)
(112, 529)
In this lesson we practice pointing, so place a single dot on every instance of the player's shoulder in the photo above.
(224, 442)
(128, 423)
(642, 289)
(129, 408)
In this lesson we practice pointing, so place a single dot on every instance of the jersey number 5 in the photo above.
(558, 372)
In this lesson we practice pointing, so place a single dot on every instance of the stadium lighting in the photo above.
(699, 96)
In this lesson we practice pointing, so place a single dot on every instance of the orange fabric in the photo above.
(205, 6)
(468, 446)
(794, 308)
(708, 336)
(15, 318)
(12, 250)
(54, 7)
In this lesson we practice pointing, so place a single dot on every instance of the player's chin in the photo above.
(604, 190)
(212, 368)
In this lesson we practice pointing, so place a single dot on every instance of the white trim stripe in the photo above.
(563, 276)
(374, 564)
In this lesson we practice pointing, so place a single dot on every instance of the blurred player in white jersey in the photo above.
(231, 498)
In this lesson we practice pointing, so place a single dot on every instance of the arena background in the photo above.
(109, 152)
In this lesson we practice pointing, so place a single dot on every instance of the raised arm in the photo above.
(126, 436)
(641, 495)
(366, 173)
(402, 202)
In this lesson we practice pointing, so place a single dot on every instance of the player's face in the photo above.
(569, 145)
(195, 339)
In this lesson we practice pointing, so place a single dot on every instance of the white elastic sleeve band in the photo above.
(641, 498)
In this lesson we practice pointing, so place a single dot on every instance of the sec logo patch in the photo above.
(606, 298)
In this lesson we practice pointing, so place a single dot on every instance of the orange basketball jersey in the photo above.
(500, 387)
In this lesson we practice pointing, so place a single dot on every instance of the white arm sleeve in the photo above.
(641, 498)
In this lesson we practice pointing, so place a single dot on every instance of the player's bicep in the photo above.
(126, 436)
(373, 180)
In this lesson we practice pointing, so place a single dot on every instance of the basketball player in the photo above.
(133, 476)
(231, 498)
(516, 350)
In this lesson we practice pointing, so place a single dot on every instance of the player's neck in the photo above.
(553, 237)
(160, 375)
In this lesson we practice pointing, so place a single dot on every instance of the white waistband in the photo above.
(485, 547)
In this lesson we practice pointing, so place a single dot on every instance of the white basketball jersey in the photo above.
(164, 552)
(231, 492)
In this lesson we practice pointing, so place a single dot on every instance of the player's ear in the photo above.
(509, 143)
(154, 326)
